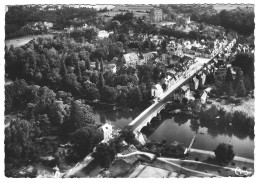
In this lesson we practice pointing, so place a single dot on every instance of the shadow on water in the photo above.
(181, 128)
(118, 117)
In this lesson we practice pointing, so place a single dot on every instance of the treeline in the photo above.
(122, 23)
(240, 20)
(17, 18)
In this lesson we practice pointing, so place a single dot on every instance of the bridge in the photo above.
(145, 117)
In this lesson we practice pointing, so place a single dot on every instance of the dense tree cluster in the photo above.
(43, 112)
(240, 19)
(18, 18)
(63, 64)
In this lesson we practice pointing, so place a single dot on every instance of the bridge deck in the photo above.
(139, 121)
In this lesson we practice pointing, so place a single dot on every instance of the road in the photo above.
(151, 111)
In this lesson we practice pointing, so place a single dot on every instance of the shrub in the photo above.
(244, 168)
(196, 159)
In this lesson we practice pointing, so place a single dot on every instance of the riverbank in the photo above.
(247, 105)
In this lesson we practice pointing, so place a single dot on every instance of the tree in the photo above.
(19, 140)
(122, 79)
(78, 71)
(248, 84)
(135, 96)
(101, 65)
(195, 17)
(71, 84)
(90, 91)
(108, 94)
(241, 90)
(63, 69)
(80, 115)
(101, 82)
(128, 135)
(86, 139)
(97, 66)
(246, 62)
(123, 95)
(15, 95)
(87, 64)
(164, 44)
(224, 153)
(94, 77)
(105, 153)
(229, 81)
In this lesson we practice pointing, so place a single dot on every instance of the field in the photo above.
(220, 7)
(138, 10)
(23, 40)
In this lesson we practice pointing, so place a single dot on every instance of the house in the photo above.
(168, 81)
(203, 97)
(103, 34)
(131, 31)
(156, 15)
(184, 60)
(69, 29)
(112, 67)
(148, 56)
(156, 90)
(184, 92)
(196, 82)
(107, 130)
(164, 57)
(130, 59)
(92, 65)
(48, 24)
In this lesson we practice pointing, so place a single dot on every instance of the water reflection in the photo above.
(208, 136)
(194, 125)
(181, 119)
(118, 118)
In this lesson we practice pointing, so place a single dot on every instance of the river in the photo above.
(181, 130)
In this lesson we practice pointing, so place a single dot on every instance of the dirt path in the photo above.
(187, 169)
(237, 158)
(199, 162)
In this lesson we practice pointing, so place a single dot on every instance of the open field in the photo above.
(138, 10)
(23, 40)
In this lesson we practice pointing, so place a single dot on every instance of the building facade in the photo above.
(156, 15)
(130, 59)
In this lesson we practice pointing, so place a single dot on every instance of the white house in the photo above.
(156, 90)
(112, 67)
(48, 24)
(103, 34)
(107, 131)
(130, 59)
